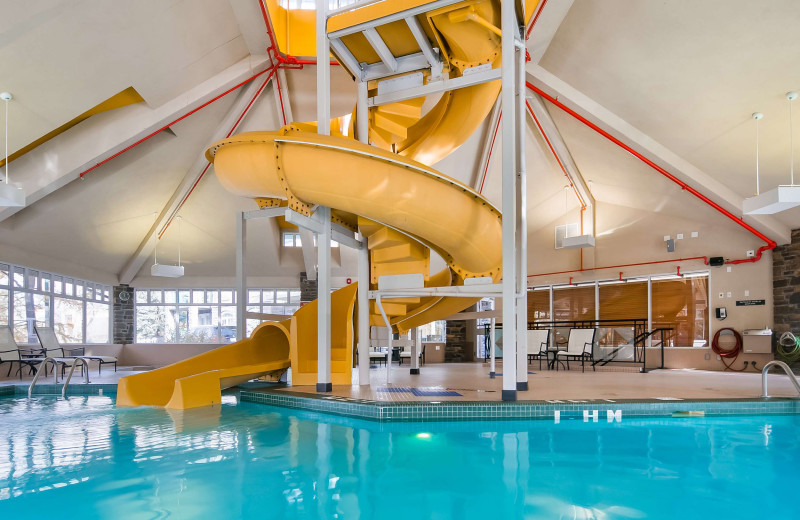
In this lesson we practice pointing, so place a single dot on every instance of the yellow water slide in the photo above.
(402, 207)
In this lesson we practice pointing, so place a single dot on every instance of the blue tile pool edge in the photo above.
(482, 410)
(50, 389)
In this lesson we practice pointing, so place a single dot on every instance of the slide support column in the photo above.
(510, 33)
(521, 249)
(241, 276)
(323, 213)
(363, 313)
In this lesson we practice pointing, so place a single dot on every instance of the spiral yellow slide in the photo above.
(402, 207)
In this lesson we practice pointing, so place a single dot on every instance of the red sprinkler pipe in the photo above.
(230, 132)
(770, 243)
(703, 258)
(184, 116)
(491, 147)
(533, 22)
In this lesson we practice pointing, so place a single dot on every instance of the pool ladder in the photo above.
(78, 361)
(783, 366)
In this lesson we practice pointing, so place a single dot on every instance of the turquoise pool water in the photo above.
(82, 458)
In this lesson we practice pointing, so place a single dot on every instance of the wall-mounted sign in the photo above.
(747, 303)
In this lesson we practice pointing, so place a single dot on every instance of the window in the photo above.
(433, 331)
(293, 240)
(185, 316)
(678, 303)
(78, 310)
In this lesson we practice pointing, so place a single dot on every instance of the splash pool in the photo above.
(82, 458)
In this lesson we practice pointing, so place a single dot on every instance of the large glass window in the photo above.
(29, 297)
(679, 305)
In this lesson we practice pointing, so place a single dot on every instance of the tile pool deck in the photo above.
(464, 391)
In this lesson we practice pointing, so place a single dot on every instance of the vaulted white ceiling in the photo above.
(687, 74)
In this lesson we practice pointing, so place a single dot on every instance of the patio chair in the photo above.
(406, 354)
(10, 353)
(579, 346)
(538, 342)
(49, 341)
(377, 355)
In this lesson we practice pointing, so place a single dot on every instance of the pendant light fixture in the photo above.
(783, 197)
(166, 270)
(10, 196)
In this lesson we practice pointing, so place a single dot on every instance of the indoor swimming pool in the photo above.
(82, 458)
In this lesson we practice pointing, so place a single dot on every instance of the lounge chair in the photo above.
(580, 346)
(49, 341)
(10, 353)
(538, 343)
(406, 354)
(376, 355)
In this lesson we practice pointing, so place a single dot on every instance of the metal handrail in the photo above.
(785, 368)
(39, 372)
(85, 363)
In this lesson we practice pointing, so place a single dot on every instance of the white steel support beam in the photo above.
(425, 46)
(347, 58)
(242, 105)
(363, 315)
(324, 301)
(492, 347)
(436, 86)
(100, 138)
(416, 347)
(362, 113)
(362, 129)
(509, 182)
(549, 127)
(521, 239)
(282, 102)
(653, 150)
(309, 255)
(488, 145)
(323, 213)
(380, 47)
(241, 276)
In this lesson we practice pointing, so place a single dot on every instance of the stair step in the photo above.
(386, 237)
(412, 267)
(381, 137)
(391, 309)
(397, 125)
(408, 108)
(400, 253)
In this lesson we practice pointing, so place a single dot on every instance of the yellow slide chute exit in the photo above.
(402, 207)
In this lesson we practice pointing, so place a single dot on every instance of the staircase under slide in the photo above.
(402, 207)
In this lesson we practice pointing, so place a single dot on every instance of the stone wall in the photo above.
(786, 288)
(455, 341)
(308, 288)
(122, 314)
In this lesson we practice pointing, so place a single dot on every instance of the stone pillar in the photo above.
(122, 315)
(455, 341)
(786, 289)
(308, 289)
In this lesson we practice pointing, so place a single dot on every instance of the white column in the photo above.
(416, 347)
(323, 70)
(241, 276)
(552, 319)
(492, 349)
(650, 310)
(509, 180)
(362, 114)
(324, 301)
(522, 227)
(362, 129)
(363, 314)
(324, 213)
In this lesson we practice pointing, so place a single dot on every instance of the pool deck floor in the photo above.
(471, 381)
(453, 382)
